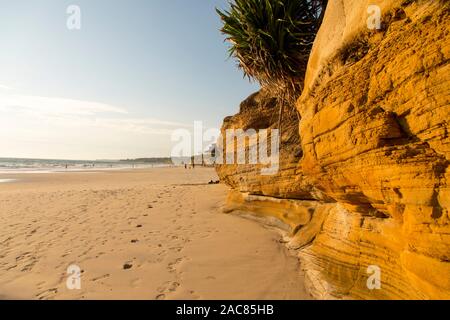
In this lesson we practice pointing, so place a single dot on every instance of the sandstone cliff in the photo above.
(261, 111)
(366, 181)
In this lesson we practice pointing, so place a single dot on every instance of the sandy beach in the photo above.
(141, 234)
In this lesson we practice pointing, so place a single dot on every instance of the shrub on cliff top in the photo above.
(272, 40)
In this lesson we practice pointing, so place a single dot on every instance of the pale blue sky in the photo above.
(116, 88)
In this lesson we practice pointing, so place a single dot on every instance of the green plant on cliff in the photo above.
(272, 41)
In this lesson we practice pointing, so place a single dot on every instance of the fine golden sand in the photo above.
(142, 234)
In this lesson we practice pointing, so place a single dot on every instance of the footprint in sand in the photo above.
(100, 277)
(177, 249)
(172, 265)
(173, 286)
(162, 253)
(167, 287)
(31, 233)
(194, 295)
(47, 294)
(29, 266)
(40, 285)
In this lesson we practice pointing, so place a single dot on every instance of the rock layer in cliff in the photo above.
(372, 157)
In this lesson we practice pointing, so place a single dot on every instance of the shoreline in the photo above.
(25, 171)
(137, 234)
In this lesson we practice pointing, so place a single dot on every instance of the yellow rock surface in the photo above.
(374, 131)
(373, 159)
(260, 111)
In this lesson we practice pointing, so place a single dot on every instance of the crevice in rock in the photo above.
(354, 51)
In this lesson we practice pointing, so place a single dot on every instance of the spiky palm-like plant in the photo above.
(272, 40)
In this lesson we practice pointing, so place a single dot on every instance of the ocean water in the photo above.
(7, 180)
(16, 165)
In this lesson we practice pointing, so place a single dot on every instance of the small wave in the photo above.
(7, 180)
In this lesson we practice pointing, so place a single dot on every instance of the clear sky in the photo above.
(118, 87)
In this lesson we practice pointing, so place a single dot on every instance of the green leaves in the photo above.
(272, 39)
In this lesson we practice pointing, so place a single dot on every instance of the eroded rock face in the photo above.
(375, 123)
(375, 155)
(261, 111)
